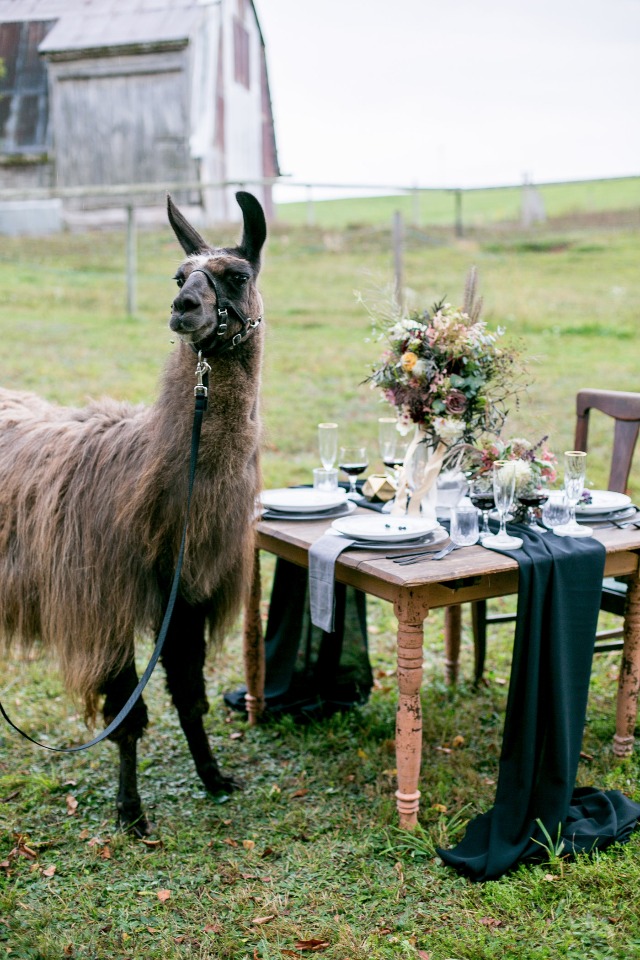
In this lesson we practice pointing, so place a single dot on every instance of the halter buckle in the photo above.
(236, 340)
(222, 313)
(202, 369)
(222, 329)
(254, 323)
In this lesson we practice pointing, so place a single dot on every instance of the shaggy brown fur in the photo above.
(92, 501)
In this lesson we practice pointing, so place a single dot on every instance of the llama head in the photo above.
(218, 302)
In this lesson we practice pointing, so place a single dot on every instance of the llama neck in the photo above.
(231, 420)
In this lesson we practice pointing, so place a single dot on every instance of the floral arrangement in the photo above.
(445, 371)
(536, 464)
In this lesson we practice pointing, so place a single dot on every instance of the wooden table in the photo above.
(470, 574)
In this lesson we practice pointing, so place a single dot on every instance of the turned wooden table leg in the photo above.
(253, 648)
(629, 681)
(411, 613)
(452, 632)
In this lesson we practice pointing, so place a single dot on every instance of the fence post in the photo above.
(311, 213)
(459, 226)
(398, 238)
(131, 260)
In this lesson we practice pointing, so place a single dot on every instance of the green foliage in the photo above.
(312, 842)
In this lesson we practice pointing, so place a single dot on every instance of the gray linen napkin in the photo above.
(322, 564)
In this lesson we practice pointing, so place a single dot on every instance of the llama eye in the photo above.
(239, 279)
(179, 280)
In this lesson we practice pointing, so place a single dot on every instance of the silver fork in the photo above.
(417, 557)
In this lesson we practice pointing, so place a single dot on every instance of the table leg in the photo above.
(411, 612)
(253, 648)
(629, 681)
(452, 631)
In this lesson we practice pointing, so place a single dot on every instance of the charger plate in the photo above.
(383, 528)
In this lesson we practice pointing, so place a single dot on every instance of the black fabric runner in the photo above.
(558, 604)
(310, 673)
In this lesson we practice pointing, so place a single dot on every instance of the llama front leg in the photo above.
(183, 659)
(118, 689)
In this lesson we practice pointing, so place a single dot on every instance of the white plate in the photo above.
(439, 535)
(302, 499)
(340, 511)
(384, 528)
(603, 501)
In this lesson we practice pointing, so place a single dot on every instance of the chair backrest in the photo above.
(625, 410)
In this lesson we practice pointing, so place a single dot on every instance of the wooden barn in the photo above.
(96, 92)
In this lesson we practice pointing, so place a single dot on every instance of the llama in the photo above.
(93, 500)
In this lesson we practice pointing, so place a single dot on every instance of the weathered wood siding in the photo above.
(122, 120)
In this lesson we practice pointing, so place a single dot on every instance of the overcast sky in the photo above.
(454, 92)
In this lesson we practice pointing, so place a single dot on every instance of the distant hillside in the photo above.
(479, 207)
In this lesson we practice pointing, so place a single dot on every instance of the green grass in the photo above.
(311, 843)
(436, 208)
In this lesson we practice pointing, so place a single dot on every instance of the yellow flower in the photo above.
(408, 361)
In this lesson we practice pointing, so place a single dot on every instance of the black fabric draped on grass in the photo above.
(558, 603)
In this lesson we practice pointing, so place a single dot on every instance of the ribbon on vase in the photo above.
(431, 473)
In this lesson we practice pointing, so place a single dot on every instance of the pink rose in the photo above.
(455, 402)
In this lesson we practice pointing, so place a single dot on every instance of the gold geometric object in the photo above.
(378, 488)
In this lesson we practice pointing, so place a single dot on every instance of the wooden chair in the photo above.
(624, 409)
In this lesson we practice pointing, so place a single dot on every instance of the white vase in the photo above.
(422, 464)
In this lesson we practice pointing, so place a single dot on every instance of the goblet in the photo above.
(481, 496)
(575, 468)
(393, 447)
(328, 444)
(532, 497)
(504, 488)
(353, 461)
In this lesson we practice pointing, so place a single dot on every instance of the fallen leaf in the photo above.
(49, 871)
(213, 928)
(83, 835)
(585, 756)
(313, 945)
(457, 742)
(68, 950)
(490, 922)
(424, 955)
(236, 735)
(267, 852)
(163, 895)
(150, 843)
(229, 842)
(248, 844)
(440, 807)
(72, 804)
(10, 796)
(299, 793)
(551, 877)
(105, 853)
(362, 754)
(5, 865)
(153, 929)
(259, 920)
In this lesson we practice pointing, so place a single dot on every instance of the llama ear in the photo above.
(188, 237)
(255, 227)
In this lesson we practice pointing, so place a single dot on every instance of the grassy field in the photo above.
(436, 208)
(309, 851)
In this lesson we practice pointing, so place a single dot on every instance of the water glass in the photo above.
(464, 529)
(325, 480)
(328, 444)
(555, 512)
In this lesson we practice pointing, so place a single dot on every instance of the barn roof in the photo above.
(15, 11)
(93, 30)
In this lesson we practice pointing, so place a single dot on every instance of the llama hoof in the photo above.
(135, 824)
(222, 784)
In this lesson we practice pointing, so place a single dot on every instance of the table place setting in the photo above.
(304, 503)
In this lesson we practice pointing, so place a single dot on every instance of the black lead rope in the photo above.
(200, 391)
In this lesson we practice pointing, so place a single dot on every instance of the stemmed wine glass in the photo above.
(353, 461)
(328, 444)
(504, 488)
(393, 447)
(575, 468)
(481, 496)
(415, 468)
(531, 497)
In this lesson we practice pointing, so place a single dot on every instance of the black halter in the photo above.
(211, 346)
